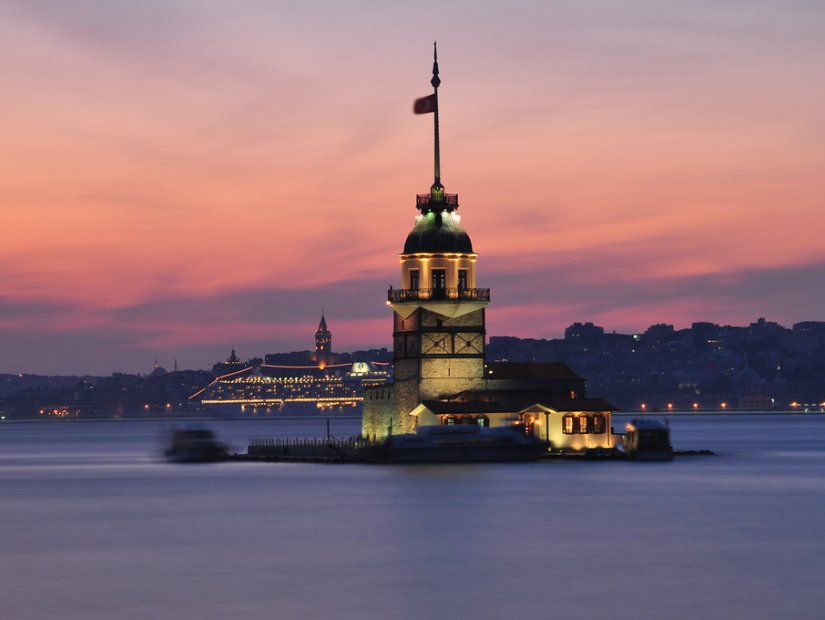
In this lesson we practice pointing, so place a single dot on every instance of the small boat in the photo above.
(647, 440)
(459, 444)
(194, 445)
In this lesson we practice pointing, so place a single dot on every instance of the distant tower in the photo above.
(323, 343)
(232, 364)
(438, 313)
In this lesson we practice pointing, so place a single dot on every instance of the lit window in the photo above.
(584, 424)
(567, 424)
(598, 424)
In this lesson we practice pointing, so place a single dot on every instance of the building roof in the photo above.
(441, 407)
(498, 401)
(531, 371)
(438, 232)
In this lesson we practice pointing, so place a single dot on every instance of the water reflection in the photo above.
(95, 527)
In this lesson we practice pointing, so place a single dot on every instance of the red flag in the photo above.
(425, 105)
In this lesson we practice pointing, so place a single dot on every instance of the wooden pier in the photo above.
(359, 450)
(307, 450)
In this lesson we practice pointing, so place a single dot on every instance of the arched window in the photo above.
(598, 424)
(567, 424)
(483, 420)
(584, 424)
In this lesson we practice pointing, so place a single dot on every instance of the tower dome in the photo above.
(438, 232)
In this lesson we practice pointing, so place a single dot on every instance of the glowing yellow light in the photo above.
(670, 405)
(724, 405)
(644, 406)
(695, 405)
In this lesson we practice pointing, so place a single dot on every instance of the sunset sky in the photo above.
(180, 177)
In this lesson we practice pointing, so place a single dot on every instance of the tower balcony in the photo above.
(430, 201)
(399, 295)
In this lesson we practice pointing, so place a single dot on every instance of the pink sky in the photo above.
(183, 177)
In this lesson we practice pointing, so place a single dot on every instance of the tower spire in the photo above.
(437, 189)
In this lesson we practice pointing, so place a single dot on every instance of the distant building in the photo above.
(583, 332)
(157, 370)
(440, 374)
(659, 333)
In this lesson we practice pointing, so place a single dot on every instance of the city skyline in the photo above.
(183, 178)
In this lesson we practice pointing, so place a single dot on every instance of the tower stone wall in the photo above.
(432, 359)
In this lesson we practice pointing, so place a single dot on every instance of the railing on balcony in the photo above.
(422, 200)
(397, 295)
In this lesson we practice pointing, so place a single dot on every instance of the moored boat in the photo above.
(194, 445)
(459, 444)
(647, 440)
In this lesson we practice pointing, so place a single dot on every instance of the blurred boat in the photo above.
(459, 444)
(647, 440)
(194, 445)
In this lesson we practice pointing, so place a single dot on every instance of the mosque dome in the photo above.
(438, 232)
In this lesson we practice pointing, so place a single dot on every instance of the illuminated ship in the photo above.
(269, 388)
(319, 384)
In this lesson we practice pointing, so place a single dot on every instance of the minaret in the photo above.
(323, 343)
(438, 313)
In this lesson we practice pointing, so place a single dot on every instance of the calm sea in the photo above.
(93, 525)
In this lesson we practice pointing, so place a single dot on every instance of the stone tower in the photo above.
(438, 313)
(323, 343)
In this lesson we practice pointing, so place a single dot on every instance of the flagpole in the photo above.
(437, 188)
